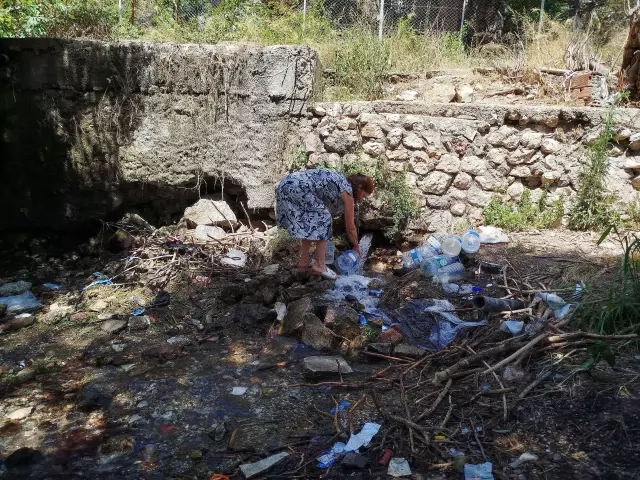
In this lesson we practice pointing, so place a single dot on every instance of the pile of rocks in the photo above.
(455, 163)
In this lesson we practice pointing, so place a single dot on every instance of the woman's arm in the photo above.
(350, 220)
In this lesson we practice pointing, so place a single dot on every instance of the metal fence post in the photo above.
(304, 14)
(541, 16)
(381, 20)
(464, 11)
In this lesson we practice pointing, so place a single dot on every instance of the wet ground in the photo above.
(79, 402)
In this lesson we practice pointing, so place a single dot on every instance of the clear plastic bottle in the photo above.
(347, 262)
(451, 245)
(414, 257)
(331, 252)
(470, 242)
(450, 273)
(431, 265)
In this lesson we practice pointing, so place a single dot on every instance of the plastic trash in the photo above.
(452, 245)
(454, 289)
(363, 438)
(235, 258)
(52, 286)
(525, 457)
(559, 306)
(238, 391)
(492, 235)
(100, 279)
(414, 257)
(490, 304)
(470, 242)
(514, 327)
(202, 279)
(25, 302)
(450, 288)
(362, 319)
(452, 272)
(431, 265)
(329, 458)
(482, 471)
(162, 299)
(399, 467)
(386, 457)
(138, 311)
(341, 406)
(455, 453)
(330, 255)
(347, 263)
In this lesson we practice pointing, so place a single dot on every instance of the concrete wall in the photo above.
(86, 127)
(457, 156)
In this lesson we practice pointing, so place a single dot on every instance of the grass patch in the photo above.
(526, 215)
(614, 306)
(592, 209)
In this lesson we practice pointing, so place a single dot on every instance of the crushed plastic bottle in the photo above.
(470, 242)
(431, 265)
(414, 257)
(452, 245)
(450, 273)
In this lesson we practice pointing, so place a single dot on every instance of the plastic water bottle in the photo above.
(451, 245)
(431, 265)
(470, 242)
(331, 252)
(347, 262)
(450, 273)
(413, 258)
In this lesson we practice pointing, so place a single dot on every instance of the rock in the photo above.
(464, 93)
(372, 130)
(635, 183)
(209, 233)
(18, 323)
(520, 156)
(474, 165)
(549, 178)
(371, 118)
(615, 151)
(92, 397)
(498, 137)
(383, 348)
(495, 156)
(294, 318)
(25, 302)
(493, 181)
(413, 141)
(421, 163)
(3, 309)
(139, 323)
(442, 93)
(463, 181)
(478, 197)
(394, 138)
(347, 124)
(531, 139)
(407, 96)
(316, 335)
(319, 111)
(341, 142)
(14, 288)
(375, 149)
(232, 293)
(251, 315)
(634, 142)
(436, 183)
(79, 317)
(271, 269)
(54, 316)
(133, 221)
(180, 341)
(404, 350)
(23, 458)
(296, 293)
(25, 375)
(521, 172)
(515, 190)
(354, 460)
(210, 212)
(343, 320)
(513, 374)
(98, 306)
(114, 326)
(557, 457)
(321, 364)
(631, 163)
(20, 414)
(250, 470)
(449, 163)
(458, 209)
(437, 201)
(549, 145)
(267, 292)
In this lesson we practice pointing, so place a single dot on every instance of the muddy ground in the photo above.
(81, 402)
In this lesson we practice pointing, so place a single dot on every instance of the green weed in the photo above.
(525, 215)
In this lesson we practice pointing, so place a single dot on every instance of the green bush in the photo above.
(524, 216)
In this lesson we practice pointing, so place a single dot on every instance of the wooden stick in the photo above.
(505, 414)
(465, 362)
(541, 378)
(553, 71)
(406, 409)
(437, 401)
(522, 350)
(475, 433)
(448, 415)
(386, 357)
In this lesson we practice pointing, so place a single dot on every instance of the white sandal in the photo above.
(328, 274)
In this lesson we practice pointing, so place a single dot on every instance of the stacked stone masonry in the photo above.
(457, 157)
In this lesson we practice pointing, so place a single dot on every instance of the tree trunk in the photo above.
(630, 71)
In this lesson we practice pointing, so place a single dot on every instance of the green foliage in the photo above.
(592, 209)
(613, 306)
(361, 64)
(23, 18)
(526, 215)
(298, 161)
(599, 351)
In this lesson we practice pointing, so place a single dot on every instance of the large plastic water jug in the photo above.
(451, 245)
(471, 242)
(347, 262)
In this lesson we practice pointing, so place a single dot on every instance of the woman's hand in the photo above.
(356, 248)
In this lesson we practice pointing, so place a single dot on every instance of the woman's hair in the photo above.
(360, 182)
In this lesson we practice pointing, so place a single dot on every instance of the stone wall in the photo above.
(456, 157)
(87, 128)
